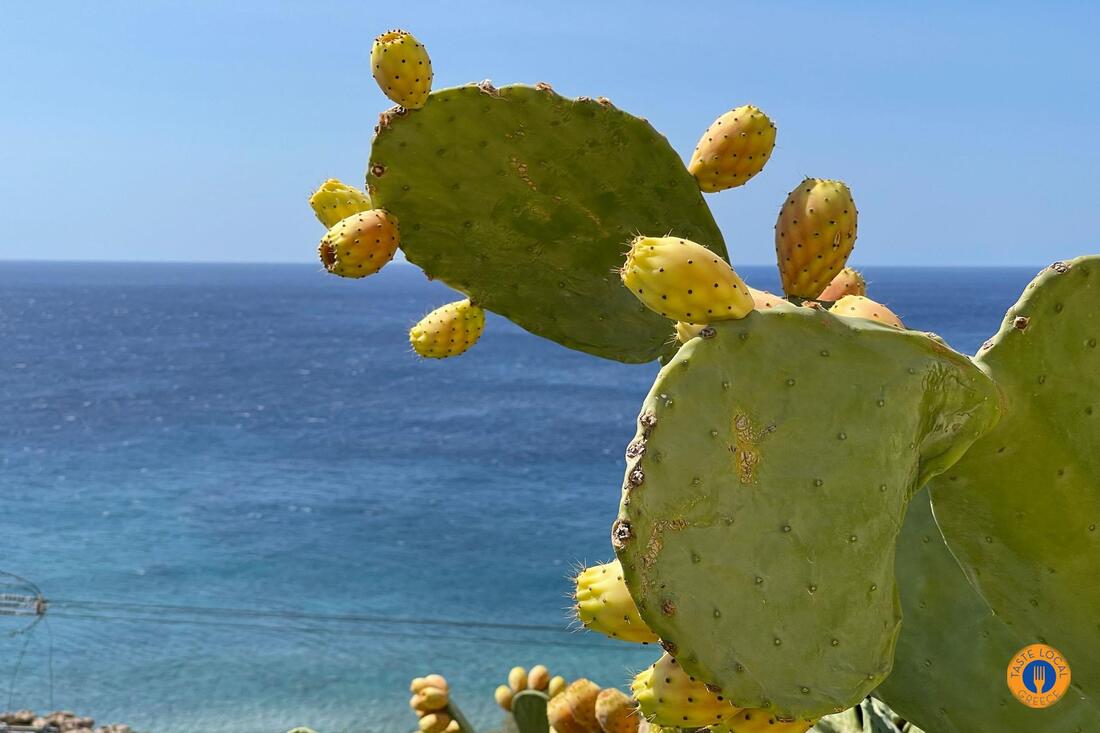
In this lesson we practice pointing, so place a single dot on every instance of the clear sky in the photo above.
(156, 130)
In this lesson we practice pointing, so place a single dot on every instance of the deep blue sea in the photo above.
(258, 441)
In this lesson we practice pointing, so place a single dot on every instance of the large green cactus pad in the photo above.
(765, 490)
(1021, 511)
(951, 656)
(526, 201)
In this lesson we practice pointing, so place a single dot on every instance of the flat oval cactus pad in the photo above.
(1021, 511)
(526, 201)
(949, 662)
(765, 490)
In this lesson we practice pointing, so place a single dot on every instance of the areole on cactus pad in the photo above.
(526, 201)
(764, 492)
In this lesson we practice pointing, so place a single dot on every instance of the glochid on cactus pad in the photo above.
(814, 235)
(522, 199)
(1021, 510)
(764, 492)
(603, 603)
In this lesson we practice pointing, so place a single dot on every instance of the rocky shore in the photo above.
(61, 721)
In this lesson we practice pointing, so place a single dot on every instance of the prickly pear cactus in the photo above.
(1021, 511)
(525, 200)
(764, 492)
(949, 663)
(529, 710)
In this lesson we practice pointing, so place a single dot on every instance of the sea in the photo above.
(249, 507)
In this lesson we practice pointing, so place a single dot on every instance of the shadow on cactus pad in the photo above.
(526, 201)
(765, 490)
(950, 660)
(1021, 511)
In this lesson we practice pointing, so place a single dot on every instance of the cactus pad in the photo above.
(529, 711)
(1021, 511)
(948, 674)
(764, 492)
(526, 201)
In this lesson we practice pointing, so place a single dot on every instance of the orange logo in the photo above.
(1038, 676)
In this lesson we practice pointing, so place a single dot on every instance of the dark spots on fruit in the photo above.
(1021, 323)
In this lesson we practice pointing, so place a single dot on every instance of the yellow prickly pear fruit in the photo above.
(434, 722)
(360, 244)
(751, 720)
(401, 67)
(847, 282)
(603, 603)
(335, 201)
(687, 331)
(538, 678)
(448, 330)
(452, 727)
(557, 686)
(615, 712)
(517, 679)
(733, 149)
(428, 699)
(859, 306)
(814, 235)
(574, 710)
(684, 281)
(667, 695)
(503, 696)
(433, 680)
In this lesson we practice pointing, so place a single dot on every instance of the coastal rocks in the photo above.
(63, 721)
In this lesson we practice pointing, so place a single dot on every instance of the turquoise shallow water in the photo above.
(259, 439)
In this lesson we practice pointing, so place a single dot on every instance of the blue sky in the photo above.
(195, 130)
